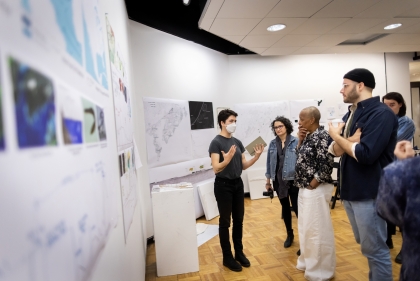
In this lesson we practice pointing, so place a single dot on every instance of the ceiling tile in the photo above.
(212, 8)
(295, 40)
(279, 51)
(388, 9)
(205, 23)
(368, 49)
(402, 48)
(259, 41)
(297, 8)
(246, 9)
(310, 50)
(222, 27)
(257, 50)
(406, 22)
(291, 24)
(357, 25)
(319, 25)
(410, 29)
(412, 13)
(391, 39)
(344, 8)
(413, 40)
(329, 40)
(341, 49)
(233, 38)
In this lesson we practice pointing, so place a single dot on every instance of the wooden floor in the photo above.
(264, 235)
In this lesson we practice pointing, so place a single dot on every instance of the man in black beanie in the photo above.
(365, 142)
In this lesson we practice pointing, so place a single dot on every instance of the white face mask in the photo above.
(231, 128)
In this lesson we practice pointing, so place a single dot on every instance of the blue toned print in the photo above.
(34, 106)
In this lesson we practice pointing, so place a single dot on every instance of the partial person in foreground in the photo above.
(281, 161)
(399, 202)
(228, 161)
(313, 177)
(406, 129)
(366, 146)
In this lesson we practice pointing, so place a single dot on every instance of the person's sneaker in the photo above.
(298, 252)
(398, 258)
(232, 264)
(389, 243)
(241, 258)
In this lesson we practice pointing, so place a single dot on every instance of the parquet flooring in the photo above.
(264, 235)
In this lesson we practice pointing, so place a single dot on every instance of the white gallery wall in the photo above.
(165, 66)
(123, 259)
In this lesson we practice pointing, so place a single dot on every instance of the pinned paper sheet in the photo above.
(138, 163)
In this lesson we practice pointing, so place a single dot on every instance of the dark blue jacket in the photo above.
(379, 126)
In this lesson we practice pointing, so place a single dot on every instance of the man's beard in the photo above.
(352, 96)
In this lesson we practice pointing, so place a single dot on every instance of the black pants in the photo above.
(286, 211)
(230, 201)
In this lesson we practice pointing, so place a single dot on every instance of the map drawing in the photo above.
(254, 120)
(201, 115)
(168, 130)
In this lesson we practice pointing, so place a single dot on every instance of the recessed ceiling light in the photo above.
(186, 2)
(393, 26)
(276, 27)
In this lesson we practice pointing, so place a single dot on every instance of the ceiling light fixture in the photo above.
(186, 2)
(392, 26)
(276, 27)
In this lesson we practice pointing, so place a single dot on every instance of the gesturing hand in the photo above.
(229, 155)
(259, 148)
(404, 150)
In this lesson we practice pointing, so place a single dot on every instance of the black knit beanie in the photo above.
(361, 75)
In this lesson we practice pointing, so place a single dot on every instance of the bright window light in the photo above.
(393, 26)
(276, 27)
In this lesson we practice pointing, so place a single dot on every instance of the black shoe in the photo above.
(289, 239)
(390, 243)
(298, 252)
(232, 264)
(398, 258)
(241, 258)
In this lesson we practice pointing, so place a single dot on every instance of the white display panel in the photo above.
(254, 120)
(55, 159)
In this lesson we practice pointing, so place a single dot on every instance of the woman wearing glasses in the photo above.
(281, 161)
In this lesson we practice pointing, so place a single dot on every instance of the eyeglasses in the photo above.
(278, 127)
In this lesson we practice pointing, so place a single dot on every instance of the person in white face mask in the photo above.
(228, 161)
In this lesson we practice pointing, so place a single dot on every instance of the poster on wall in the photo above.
(201, 115)
(174, 148)
(128, 180)
(56, 166)
(168, 130)
(121, 91)
(254, 120)
(123, 123)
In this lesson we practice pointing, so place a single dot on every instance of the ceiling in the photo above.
(173, 17)
(315, 26)
(312, 26)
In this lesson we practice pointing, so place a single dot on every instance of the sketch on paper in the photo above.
(201, 115)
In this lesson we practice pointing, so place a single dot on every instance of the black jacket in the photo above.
(379, 126)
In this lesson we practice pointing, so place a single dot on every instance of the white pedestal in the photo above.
(208, 200)
(175, 231)
(257, 181)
